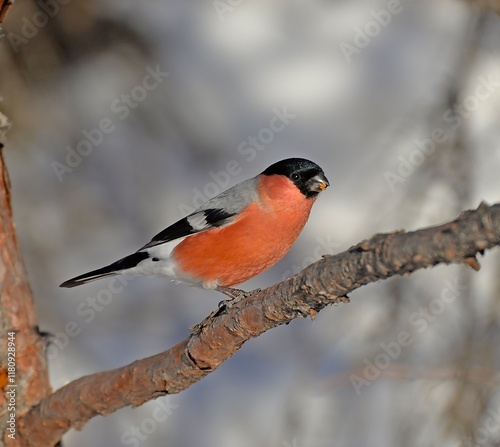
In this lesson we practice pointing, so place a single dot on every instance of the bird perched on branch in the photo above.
(232, 237)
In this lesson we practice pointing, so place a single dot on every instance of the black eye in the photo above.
(295, 176)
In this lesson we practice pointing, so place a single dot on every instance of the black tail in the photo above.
(125, 263)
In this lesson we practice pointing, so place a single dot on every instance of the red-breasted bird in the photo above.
(232, 237)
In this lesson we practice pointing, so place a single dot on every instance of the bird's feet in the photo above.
(235, 295)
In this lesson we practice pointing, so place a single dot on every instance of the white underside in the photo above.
(166, 267)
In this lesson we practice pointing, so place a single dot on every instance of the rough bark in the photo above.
(221, 334)
(23, 369)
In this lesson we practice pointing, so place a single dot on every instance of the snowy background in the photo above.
(398, 101)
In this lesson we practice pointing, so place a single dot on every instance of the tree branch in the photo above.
(222, 333)
(4, 7)
(23, 369)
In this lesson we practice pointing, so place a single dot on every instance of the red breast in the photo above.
(261, 235)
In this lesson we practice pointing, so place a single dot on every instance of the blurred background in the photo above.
(127, 115)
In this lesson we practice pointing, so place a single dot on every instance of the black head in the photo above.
(305, 174)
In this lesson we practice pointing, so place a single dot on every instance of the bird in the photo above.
(232, 237)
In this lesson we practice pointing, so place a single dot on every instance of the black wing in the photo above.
(194, 223)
